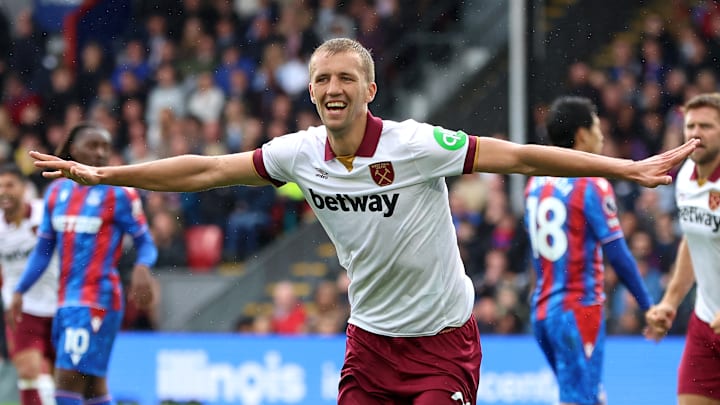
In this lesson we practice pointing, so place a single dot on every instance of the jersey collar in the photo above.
(714, 176)
(370, 140)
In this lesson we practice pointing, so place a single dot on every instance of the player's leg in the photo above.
(689, 399)
(96, 391)
(69, 387)
(104, 328)
(29, 345)
(577, 341)
(366, 374)
(84, 338)
(443, 369)
(699, 371)
(541, 337)
(351, 393)
(28, 364)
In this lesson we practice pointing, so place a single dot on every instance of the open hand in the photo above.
(653, 171)
(80, 173)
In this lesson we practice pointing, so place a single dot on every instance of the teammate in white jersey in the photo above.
(378, 189)
(698, 199)
(30, 343)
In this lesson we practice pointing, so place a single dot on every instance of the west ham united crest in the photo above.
(382, 173)
(714, 200)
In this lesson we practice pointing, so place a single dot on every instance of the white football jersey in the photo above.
(699, 216)
(16, 244)
(389, 218)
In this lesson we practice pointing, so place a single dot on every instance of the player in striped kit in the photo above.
(86, 224)
(378, 188)
(30, 344)
(697, 193)
(571, 223)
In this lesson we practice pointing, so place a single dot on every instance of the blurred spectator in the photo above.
(19, 100)
(167, 234)
(578, 84)
(331, 23)
(132, 59)
(233, 60)
(248, 224)
(666, 243)
(207, 100)
(294, 27)
(167, 94)
(288, 314)
(624, 60)
(486, 311)
(62, 92)
(95, 65)
(203, 58)
(28, 48)
(156, 37)
(327, 315)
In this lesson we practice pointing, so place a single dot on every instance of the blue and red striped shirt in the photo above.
(87, 224)
(568, 220)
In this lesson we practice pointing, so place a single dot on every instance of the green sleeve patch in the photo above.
(450, 140)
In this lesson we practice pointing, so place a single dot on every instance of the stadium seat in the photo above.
(204, 247)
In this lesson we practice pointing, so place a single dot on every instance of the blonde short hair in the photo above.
(340, 45)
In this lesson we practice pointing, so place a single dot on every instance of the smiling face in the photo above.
(12, 192)
(341, 90)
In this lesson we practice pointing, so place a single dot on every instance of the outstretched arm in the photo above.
(498, 156)
(661, 316)
(178, 173)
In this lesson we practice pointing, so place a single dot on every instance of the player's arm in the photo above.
(499, 156)
(625, 266)
(661, 316)
(141, 288)
(36, 266)
(178, 173)
(682, 280)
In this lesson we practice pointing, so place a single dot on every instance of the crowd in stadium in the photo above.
(223, 76)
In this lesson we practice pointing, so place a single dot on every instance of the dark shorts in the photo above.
(431, 370)
(84, 338)
(699, 372)
(573, 342)
(32, 332)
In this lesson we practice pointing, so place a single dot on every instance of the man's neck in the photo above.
(347, 143)
(16, 215)
(704, 171)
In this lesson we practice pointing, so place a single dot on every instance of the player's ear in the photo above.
(312, 96)
(581, 138)
(372, 90)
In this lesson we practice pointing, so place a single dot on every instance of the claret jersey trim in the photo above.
(369, 143)
(714, 176)
(260, 169)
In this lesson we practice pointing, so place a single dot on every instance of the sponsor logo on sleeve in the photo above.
(450, 140)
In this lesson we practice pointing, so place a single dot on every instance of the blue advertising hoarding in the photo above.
(234, 369)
